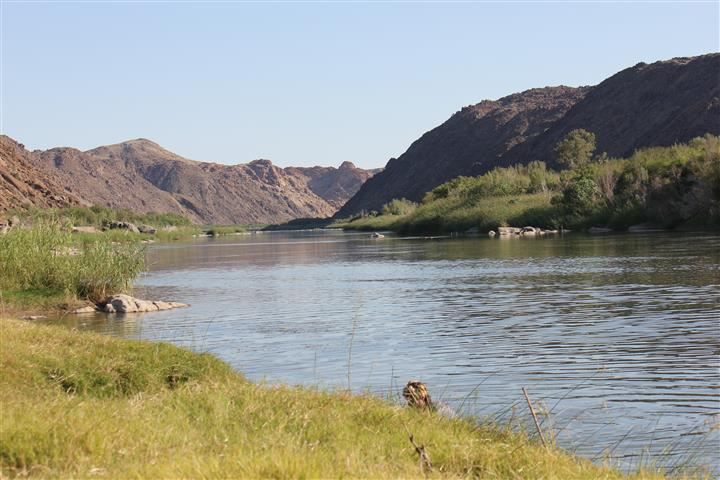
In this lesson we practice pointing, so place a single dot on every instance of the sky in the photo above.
(307, 84)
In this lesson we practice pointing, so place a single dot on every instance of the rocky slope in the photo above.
(656, 104)
(646, 105)
(23, 185)
(142, 176)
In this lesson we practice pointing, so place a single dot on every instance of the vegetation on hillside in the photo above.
(79, 405)
(665, 186)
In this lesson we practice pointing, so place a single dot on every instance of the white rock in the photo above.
(122, 303)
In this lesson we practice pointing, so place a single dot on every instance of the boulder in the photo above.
(123, 226)
(491, 233)
(529, 231)
(126, 304)
(508, 230)
(149, 229)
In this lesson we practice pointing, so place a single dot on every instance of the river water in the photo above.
(616, 338)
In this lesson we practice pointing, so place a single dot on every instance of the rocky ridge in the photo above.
(654, 104)
(22, 184)
(142, 176)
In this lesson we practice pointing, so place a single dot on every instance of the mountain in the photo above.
(142, 176)
(23, 185)
(472, 140)
(656, 104)
(646, 105)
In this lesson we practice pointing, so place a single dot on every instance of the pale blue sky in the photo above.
(307, 83)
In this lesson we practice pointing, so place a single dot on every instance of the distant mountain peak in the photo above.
(347, 165)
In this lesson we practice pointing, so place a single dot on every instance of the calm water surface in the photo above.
(617, 336)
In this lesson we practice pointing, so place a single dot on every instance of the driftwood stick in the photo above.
(532, 411)
(425, 463)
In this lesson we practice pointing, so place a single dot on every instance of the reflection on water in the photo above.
(618, 336)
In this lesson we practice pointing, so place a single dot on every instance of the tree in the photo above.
(579, 197)
(576, 149)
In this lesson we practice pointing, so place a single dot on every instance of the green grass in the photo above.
(98, 215)
(179, 233)
(458, 214)
(48, 260)
(218, 230)
(77, 405)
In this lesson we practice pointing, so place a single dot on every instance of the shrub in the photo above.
(399, 207)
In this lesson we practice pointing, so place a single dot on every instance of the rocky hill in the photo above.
(646, 105)
(656, 104)
(142, 176)
(23, 185)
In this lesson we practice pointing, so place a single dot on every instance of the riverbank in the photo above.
(658, 188)
(78, 404)
(59, 260)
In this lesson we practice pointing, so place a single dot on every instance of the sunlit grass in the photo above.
(457, 214)
(78, 404)
(47, 258)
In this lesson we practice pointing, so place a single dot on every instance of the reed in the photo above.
(46, 258)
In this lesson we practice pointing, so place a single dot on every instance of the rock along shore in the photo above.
(122, 303)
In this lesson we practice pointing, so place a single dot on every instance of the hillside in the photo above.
(142, 176)
(472, 140)
(659, 104)
(22, 184)
(646, 105)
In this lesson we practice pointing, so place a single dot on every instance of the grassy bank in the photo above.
(667, 187)
(78, 405)
(98, 216)
(46, 266)
(169, 226)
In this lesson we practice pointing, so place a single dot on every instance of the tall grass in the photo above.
(78, 405)
(47, 258)
(98, 215)
(458, 214)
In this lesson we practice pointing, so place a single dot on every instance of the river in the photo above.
(616, 338)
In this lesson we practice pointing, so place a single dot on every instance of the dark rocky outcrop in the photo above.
(646, 105)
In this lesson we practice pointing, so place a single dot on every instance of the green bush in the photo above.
(399, 207)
